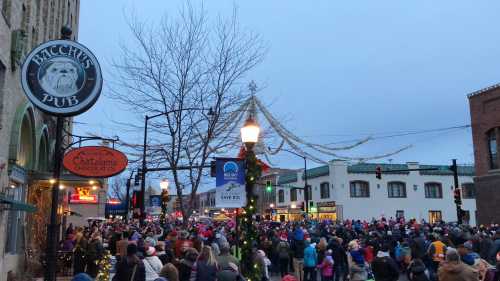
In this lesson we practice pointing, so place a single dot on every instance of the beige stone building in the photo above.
(26, 134)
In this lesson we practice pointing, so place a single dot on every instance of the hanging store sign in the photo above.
(61, 77)
(95, 161)
(326, 207)
(230, 183)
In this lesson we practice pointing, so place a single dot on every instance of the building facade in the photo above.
(340, 191)
(26, 134)
(266, 200)
(485, 122)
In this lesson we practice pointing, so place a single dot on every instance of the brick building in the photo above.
(26, 134)
(485, 121)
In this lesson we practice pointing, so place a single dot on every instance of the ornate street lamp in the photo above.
(164, 199)
(250, 136)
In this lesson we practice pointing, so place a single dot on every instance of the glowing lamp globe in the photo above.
(250, 131)
(164, 184)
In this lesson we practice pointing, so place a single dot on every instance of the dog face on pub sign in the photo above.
(60, 77)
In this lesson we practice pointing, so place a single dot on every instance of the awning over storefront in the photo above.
(15, 205)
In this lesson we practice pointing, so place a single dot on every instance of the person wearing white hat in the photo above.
(152, 264)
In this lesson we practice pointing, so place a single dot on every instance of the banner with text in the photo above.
(230, 183)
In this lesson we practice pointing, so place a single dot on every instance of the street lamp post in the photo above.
(250, 135)
(144, 169)
(164, 198)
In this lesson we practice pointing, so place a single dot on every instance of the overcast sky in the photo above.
(341, 70)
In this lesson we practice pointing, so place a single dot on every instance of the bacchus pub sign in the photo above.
(61, 77)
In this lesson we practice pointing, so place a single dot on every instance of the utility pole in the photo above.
(306, 189)
(127, 196)
(458, 203)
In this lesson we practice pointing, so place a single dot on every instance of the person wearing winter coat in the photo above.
(283, 250)
(130, 268)
(417, 271)
(205, 268)
(297, 248)
(231, 273)
(186, 264)
(310, 262)
(452, 269)
(384, 267)
(95, 252)
(356, 262)
(152, 264)
(326, 267)
(263, 263)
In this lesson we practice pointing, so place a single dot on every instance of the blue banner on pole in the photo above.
(155, 200)
(230, 183)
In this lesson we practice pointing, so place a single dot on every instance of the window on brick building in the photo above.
(492, 149)
(396, 189)
(281, 196)
(468, 191)
(359, 189)
(433, 190)
(324, 190)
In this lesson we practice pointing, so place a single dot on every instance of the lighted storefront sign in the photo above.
(83, 199)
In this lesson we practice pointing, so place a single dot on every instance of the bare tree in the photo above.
(186, 65)
(118, 189)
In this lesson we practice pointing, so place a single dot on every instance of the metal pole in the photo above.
(50, 272)
(143, 173)
(127, 197)
(237, 240)
(306, 190)
(455, 179)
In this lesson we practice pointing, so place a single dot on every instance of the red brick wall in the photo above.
(485, 115)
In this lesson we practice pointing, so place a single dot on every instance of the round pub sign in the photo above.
(61, 77)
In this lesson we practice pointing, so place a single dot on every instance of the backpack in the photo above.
(283, 250)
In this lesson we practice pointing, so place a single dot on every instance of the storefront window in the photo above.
(435, 216)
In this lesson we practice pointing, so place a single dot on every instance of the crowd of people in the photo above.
(309, 250)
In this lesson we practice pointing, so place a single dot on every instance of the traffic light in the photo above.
(137, 178)
(269, 186)
(456, 195)
(378, 172)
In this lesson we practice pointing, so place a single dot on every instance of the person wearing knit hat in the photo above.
(152, 264)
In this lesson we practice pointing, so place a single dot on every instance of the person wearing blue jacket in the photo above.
(310, 262)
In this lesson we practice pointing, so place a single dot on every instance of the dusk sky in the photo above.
(342, 70)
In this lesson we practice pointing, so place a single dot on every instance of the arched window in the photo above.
(492, 149)
(324, 190)
(433, 190)
(281, 196)
(396, 189)
(25, 152)
(360, 189)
